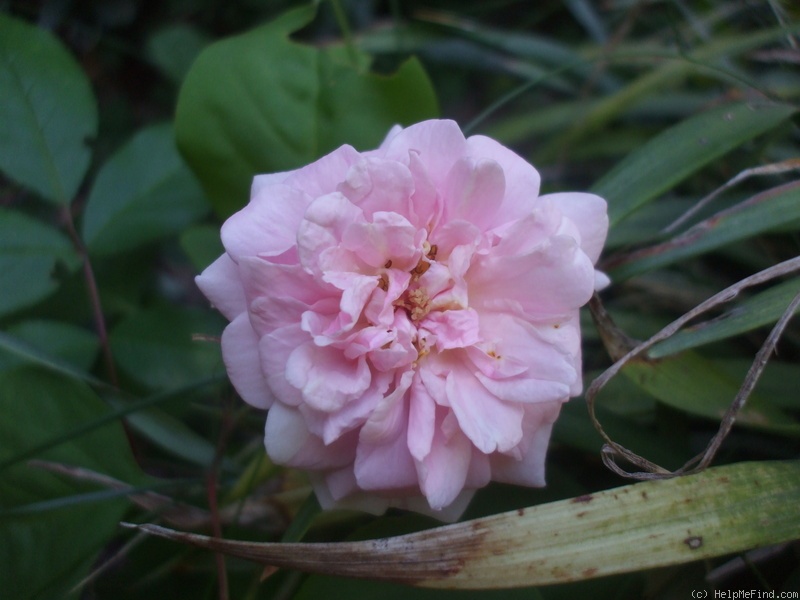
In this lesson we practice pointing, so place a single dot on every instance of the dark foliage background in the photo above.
(108, 353)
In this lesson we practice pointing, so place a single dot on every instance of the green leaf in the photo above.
(156, 349)
(202, 245)
(30, 251)
(767, 211)
(171, 435)
(574, 428)
(260, 103)
(762, 309)
(45, 553)
(17, 350)
(700, 387)
(681, 150)
(676, 68)
(645, 525)
(174, 48)
(143, 193)
(63, 341)
(47, 110)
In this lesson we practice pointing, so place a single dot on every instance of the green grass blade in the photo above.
(681, 150)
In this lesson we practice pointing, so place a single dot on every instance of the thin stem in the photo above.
(94, 296)
(213, 504)
(344, 26)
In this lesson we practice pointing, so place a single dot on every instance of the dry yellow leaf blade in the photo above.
(645, 525)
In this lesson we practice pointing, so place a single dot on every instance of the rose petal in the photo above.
(267, 225)
(589, 213)
(221, 284)
(243, 362)
(474, 192)
(521, 179)
(443, 471)
(324, 175)
(491, 424)
(288, 442)
(438, 143)
(529, 468)
(325, 377)
(379, 185)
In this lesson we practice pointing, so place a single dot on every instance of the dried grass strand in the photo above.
(612, 450)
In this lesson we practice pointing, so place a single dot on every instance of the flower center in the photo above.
(416, 302)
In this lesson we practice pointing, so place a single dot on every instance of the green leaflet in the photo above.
(261, 103)
(47, 110)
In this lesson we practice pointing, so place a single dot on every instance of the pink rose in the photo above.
(409, 316)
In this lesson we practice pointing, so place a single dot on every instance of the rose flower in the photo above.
(409, 316)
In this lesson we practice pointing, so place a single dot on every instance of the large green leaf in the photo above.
(683, 149)
(156, 349)
(645, 525)
(30, 251)
(259, 103)
(74, 345)
(45, 552)
(174, 48)
(143, 193)
(47, 110)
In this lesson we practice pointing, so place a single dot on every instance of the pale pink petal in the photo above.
(531, 232)
(288, 442)
(438, 143)
(323, 226)
(278, 294)
(267, 225)
(323, 176)
(453, 328)
(474, 192)
(267, 179)
(421, 420)
(529, 468)
(389, 418)
(426, 202)
(221, 284)
(325, 377)
(453, 234)
(443, 471)
(491, 424)
(380, 309)
(589, 213)
(388, 239)
(525, 389)
(550, 281)
(393, 131)
(274, 349)
(480, 470)
(383, 442)
(514, 346)
(330, 426)
(356, 291)
(601, 280)
(447, 514)
(521, 179)
(243, 362)
(379, 185)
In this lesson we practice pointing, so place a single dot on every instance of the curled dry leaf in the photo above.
(255, 511)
